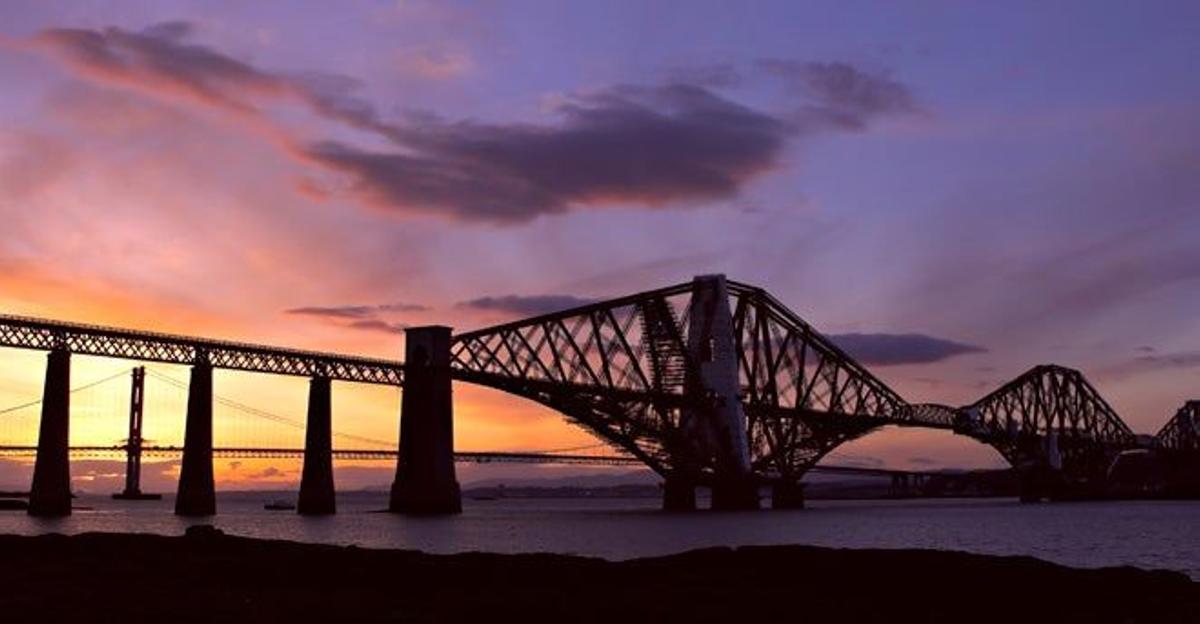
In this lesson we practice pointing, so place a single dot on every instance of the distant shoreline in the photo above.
(209, 576)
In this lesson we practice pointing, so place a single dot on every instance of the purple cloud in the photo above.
(518, 305)
(842, 94)
(364, 317)
(651, 146)
(356, 311)
(892, 349)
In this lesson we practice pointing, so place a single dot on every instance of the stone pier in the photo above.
(719, 429)
(425, 480)
(679, 494)
(50, 494)
(197, 494)
(316, 480)
(787, 495)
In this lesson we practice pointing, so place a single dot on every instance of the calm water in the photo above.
(1150, 534)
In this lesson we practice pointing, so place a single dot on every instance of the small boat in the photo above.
(279, 505)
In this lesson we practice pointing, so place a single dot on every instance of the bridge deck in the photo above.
(45, 335)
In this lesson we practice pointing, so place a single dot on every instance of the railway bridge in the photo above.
(709, 383)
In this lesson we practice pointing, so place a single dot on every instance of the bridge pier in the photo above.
(787, 495)
(679, 494)
(50, 494)
(197, 493)
(425, 480)
(1041, 483)
(721, 427)
(734, 494)
(316, 480)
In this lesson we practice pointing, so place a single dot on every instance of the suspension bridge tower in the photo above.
(133, 444)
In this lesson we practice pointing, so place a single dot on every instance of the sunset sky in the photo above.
(1007, 186)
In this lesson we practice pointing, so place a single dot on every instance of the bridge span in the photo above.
(710, 382)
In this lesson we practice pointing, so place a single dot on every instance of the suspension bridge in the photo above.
(709, 383)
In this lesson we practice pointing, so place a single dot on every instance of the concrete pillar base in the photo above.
(426, 499)
(425, 480)
(787, 496)
(50, 494)
(197, 494)
(679, 494)
(316, 479)
(735, 495)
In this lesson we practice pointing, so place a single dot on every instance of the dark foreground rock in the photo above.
(210, 577)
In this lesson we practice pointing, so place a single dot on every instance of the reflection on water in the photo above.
(1148, 534)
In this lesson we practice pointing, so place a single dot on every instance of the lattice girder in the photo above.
(1021, 417)
(802, 394)
(1181, 434)
(30, 333)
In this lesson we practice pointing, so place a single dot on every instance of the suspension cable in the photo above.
(73, 391)
(260, 413)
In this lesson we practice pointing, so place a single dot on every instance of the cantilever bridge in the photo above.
(709, 382)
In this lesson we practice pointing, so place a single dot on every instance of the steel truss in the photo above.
(31, 333)
(1181, 434)
(802, 394)
(618, 368)
(622, 369)
(1050, 406)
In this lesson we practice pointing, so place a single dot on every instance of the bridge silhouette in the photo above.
(709, 383)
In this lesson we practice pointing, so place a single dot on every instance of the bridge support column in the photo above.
(787, 495)
(316, 481)
(679, 494)
(734, 494)
(50, 494)
(425, 480)
(720, 429)
(197, 494)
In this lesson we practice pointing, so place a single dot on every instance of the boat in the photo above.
(279, 505)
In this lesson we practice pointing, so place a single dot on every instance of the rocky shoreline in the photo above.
(208, 576)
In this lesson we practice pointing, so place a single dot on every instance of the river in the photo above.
(1146, 534)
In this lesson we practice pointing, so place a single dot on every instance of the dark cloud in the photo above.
(890, 349)
(364, 317)
(647, 145)
(158, 60)
(378, 325)
(843, 95)
(356, 311)
(1179, 360)
(518, 305)
(1185, 359)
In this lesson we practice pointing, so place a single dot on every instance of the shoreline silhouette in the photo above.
(207, 575)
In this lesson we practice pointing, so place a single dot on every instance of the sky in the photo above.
(955, 193)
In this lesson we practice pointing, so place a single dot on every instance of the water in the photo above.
(1146, 534)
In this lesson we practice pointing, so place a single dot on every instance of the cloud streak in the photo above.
(363, 317)
(842, 95)
(519, 305)
(894, 349)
